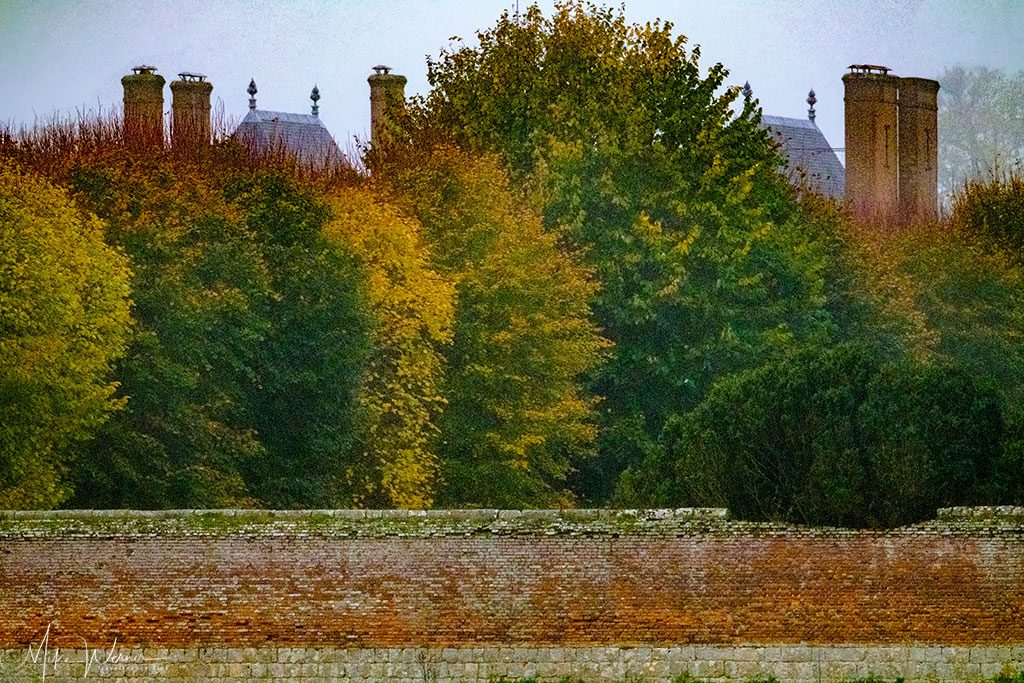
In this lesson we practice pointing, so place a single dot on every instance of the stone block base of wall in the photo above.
(796, 663)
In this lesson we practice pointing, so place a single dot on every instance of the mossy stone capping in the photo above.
(426, 523)
(1005, 512)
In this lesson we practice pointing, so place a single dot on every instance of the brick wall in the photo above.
(449, 595)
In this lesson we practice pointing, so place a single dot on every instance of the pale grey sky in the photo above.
(60, 55)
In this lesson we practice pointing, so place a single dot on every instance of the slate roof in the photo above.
(808, 154)
(302, 135)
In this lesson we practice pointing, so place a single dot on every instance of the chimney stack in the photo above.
(891, 146)
(143, 108)
(872, 181)
(190, 102)
(387, 97)
(919, 156)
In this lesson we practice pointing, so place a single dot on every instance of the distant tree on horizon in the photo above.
(981, 125)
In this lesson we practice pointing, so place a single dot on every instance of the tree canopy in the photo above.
(642, 164)
(517, 419)
(63, 322)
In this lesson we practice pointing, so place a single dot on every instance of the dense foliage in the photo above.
(63, 321)
(517, 419)
(572, 275)
(834, 437)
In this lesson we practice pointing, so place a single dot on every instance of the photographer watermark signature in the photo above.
(45, 659)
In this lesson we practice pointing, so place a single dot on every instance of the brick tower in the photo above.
(919, 161)
(143, 107)
(190, 127)
(387, 96)
(872, 175)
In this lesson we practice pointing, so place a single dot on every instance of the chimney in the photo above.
(872, 185)
(190, 102)
(919, 161)
(143, 108)
(387, 97)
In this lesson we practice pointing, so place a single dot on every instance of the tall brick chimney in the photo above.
(872, 166)
(387, 97)
(190, 126)
(892, 154)
(143, 107)
(919, 157)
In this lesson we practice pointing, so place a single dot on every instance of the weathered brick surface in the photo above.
(483, 594)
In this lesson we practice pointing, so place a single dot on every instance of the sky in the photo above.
(60, 56)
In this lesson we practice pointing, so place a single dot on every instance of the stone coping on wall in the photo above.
(426, 523)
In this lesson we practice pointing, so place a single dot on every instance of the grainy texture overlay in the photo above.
(475, 595)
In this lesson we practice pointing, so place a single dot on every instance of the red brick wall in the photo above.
(553, 584)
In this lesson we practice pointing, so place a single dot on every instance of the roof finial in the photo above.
(315, 96)
(747, 91)
(252, 93)
(811, 100)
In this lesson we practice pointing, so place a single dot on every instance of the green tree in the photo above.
(831, 437)
(200, 288)
(250, 337)
(639, 161)
(517, 419)
(303, 400)
(63, 322)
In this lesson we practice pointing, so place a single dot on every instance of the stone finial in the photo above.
(811, 100)
(747, 91)
(252, 93)
(315, 96)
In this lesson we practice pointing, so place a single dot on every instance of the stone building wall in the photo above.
(445, 596)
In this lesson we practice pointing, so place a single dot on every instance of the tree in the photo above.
(991, 213)
(200, 288)
(639, 162)
(250, 338)
(302, 399)
(63, 322)
(831, 437)
(970, 296)
(517, 419)
(981, 125)
(400, 389)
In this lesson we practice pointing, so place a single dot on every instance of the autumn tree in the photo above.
(640, 162)
(63, 323)
(401, 383)
(517, 418)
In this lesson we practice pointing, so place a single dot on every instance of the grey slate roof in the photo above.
(303, 136)
(808, 154)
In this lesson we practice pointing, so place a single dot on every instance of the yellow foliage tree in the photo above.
(64, 318)
(401, 391)
(518, 419)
